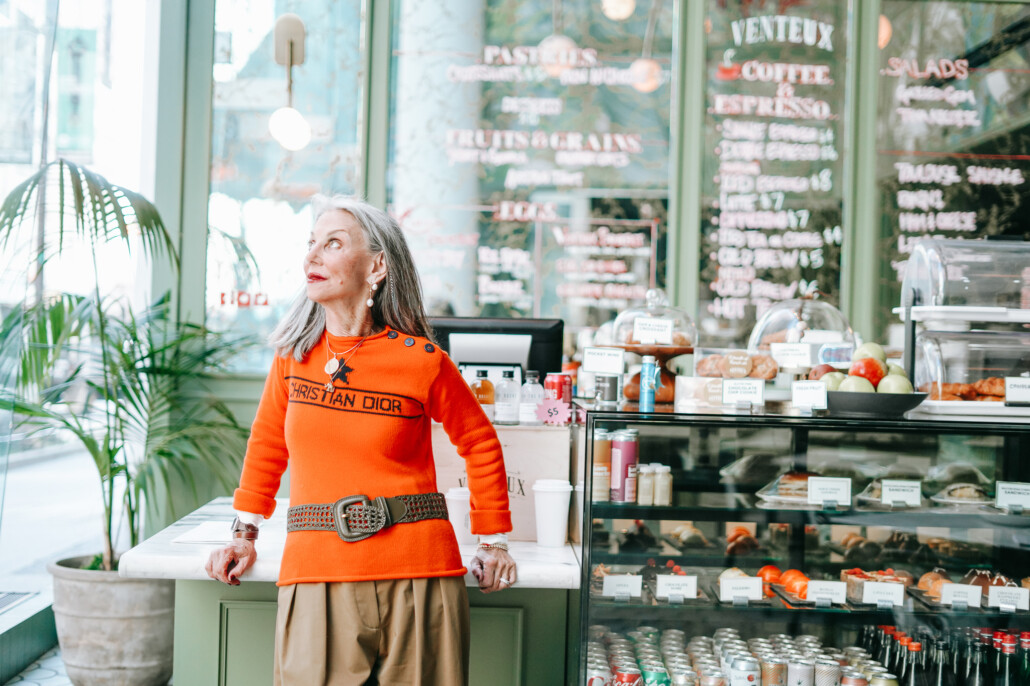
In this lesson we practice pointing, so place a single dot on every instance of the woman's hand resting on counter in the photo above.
(229, 563)
(494, 569)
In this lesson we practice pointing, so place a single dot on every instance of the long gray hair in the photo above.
(397, 302)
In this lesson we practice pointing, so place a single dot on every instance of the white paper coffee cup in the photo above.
(552, 498)
(458, 508)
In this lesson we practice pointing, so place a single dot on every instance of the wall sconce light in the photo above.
(557, 51)
(647, 73)
(618, 10)
(287, 125)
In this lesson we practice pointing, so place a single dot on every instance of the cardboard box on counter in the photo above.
(530, 453)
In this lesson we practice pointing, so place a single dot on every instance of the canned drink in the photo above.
(801, 672)
(655, 675)
(853, 679)
(627, 676)
(684, 678)
(625, 458)
(606, 388)
(652, 631)
(827, 673)
(712, 679)
(884, 680)
(745, 671)
(774, 672)
(598, 676)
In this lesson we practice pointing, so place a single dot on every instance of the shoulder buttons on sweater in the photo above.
(392, 334)
(409, 342)
(429, 347)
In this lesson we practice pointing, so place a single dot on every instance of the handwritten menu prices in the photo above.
(772, 178)
(953, 146)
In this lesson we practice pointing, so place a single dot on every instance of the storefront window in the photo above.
(89, 61)
(772, 176)
(953, 137)
(259, 214)
(530, 153)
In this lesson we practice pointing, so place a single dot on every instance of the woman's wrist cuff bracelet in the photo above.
(248, 532)
(497, 546)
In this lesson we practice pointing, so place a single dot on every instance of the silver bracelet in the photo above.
(248, 532)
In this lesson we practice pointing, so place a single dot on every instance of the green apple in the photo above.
(894, 383)
(857, 384)
(833, 380)
(896, 370)
(870, 350)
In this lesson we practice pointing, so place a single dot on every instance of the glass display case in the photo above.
(801, 538)
(969, 280)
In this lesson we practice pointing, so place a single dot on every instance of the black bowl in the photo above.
(877, 405)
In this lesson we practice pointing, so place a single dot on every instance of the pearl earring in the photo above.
(371, 289)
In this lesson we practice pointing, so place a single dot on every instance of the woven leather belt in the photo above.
(356, 517)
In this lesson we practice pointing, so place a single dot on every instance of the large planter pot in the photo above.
(113, 631)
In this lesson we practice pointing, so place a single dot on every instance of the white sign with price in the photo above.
(1012, 493)
(970, 595)
(745, 587)
(793, 355)
(652, 330)
(1017, 390)
(896, 492)
(622, 584)
(998, 596)
(685, 586)
(834, 591)
(877, 592)
(810, 394)
(743, 391)
(602, 360)
(824, 489)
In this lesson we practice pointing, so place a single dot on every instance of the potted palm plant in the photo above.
(129, 388)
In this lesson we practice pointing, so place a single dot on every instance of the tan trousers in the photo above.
(399, 631)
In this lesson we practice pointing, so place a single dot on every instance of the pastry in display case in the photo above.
(657, 329)
(968, 280)
(740, 573)
(964, 372)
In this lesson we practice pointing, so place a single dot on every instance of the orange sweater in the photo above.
(370, 436)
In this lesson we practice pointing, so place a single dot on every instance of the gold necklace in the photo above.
(333, 367)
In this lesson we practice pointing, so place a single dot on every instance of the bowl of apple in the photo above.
(872, 387)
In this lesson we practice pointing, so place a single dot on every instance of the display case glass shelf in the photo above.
(874, 505)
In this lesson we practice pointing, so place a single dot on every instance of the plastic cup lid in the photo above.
(559, 485)
(458, 492)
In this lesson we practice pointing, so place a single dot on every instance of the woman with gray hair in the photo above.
(371, 586)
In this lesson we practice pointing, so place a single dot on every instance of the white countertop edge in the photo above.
(158, 557)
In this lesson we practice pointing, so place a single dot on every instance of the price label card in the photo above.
(745, 587)
(1009, 493)
(622, 584)
(834, 591)
(896, 492)
(685, 586)
(875, 592)
(823, 489)
(743, 390)
(793, 355)
(652, 330)
(1018, 598)
(811, 394)
(970, 595)
(603, 360)
(1017, 390)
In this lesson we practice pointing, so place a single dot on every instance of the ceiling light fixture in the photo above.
(647, 72)
(557, 51)
(618, 10)
(287, 125)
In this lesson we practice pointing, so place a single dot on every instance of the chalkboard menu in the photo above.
(772, 173)
(529, 153)
(953, 129)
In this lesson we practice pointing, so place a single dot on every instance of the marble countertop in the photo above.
(180, 551)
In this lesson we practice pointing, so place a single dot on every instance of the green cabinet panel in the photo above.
(496, 647)
(248, 643)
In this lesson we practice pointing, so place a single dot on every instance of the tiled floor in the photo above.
(48, 670)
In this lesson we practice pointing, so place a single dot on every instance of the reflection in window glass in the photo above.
(529, 153)
(952, 128)
(772, 176)
(259, 215)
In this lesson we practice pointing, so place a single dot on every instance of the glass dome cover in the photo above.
(801, 320)
(656, 324)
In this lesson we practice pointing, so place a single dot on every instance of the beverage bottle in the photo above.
(1008, 672)
(507, 397)
(1024, 657)
(914, 674)
(940, 670)
(645, 485)
(483, 389)
(900, 654)
(648, 375)
(531, 397)
(663, 485)
(979, 668)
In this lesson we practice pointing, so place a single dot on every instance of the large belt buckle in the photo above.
(340, 516)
